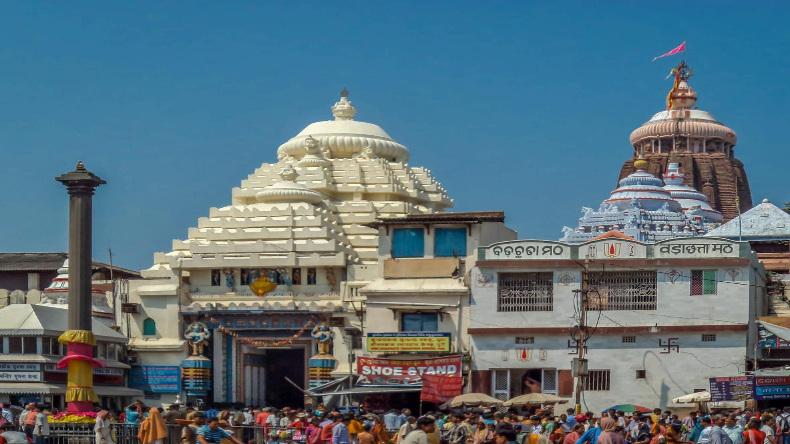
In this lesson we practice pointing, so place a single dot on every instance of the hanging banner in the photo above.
(438, 389)
(771, 387)
(408, 342)
(405, 372)
(768, 339)
(731, 388)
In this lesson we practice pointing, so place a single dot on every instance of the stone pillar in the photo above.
(80, 185)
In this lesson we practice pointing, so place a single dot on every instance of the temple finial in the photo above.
(344, 93)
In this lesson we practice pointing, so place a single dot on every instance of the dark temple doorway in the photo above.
(282, 363)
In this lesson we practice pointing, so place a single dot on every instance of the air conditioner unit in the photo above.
(133, 360)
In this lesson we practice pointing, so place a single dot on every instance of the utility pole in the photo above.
(580, 345)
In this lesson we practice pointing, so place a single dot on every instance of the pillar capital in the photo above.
(80, 182)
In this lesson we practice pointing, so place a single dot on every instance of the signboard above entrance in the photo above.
(408, 342)
(402, 372)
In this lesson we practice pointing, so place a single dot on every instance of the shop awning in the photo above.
(116, 391)
(40, 388)
(369, 390)
(780, 326)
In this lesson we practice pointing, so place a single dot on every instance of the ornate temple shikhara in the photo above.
(691, 152)
(704, 148)
(289, 252)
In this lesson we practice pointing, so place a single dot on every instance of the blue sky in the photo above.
(518, 106)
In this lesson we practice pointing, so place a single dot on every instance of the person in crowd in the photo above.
(403, 417)
(365, 437)
(29, 420)
(354, 429)
(313, 431)
(392, 421)
(408, 427)
(340, 431)
(768, 429)
(41, 426)
(457, 433)
(6, 413)
(380, 433)
(326, 428)
(425, 427)
(189, 433)
(696, 431)
(484, 433)
(211, 433)
(153, 429)
(608, 434)
(574, 435)
(591, 435)
(174, 412)
(212, 412)
(102, 428)
(733, 429)
(506, 436)
(133, 413)
(640, 431)
(12, 436)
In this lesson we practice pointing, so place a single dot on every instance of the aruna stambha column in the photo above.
(79, 338)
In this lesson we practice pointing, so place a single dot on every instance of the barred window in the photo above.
(627, 339)
(709, 337)
(703, 282)
(598, 380)
(622, 290)
(641, 374)
(526, 292)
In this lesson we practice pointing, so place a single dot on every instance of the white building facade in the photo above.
(662, 318)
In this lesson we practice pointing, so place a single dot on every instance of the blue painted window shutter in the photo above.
(449, 242)
(408, 242)
(149, 327)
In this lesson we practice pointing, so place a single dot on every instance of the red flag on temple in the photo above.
(680, 48)
(439, 388)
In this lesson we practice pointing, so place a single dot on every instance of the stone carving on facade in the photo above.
(324, 337)
(330, 278)
(314, 156)
(197, 335)
(368, 153)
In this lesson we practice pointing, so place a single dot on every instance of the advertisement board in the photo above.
(401, 372)
(408, 342)
(20, 376)
(771, 387)
(156, 378)
(20, 367)
(731, 388)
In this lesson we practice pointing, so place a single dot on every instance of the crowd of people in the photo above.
(356, 425)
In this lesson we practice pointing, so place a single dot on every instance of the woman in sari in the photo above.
(608, 433)
(153, 429)
(696, 431)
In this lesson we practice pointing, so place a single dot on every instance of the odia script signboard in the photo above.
(771, 387)
(731, 388)
(408, 342)
(405, 372)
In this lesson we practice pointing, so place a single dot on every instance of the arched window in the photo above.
(149, 327)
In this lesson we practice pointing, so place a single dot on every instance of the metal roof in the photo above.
(49, 262)
(763, 222)
(30, 319)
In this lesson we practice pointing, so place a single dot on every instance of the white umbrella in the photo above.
(703, 396)
(473, 399)
(534, 399)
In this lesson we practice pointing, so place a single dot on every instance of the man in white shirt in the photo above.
(425, 426)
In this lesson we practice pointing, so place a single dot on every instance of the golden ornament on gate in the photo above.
(261, 286)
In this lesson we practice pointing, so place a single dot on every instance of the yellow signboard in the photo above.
(408, 342)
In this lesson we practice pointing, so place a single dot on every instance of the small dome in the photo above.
(345, 137)
(688, 197)
(644, 190)
(287, 190)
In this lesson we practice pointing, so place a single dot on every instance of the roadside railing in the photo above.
(75, 433)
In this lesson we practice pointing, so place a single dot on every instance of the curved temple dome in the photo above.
(704, 146)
